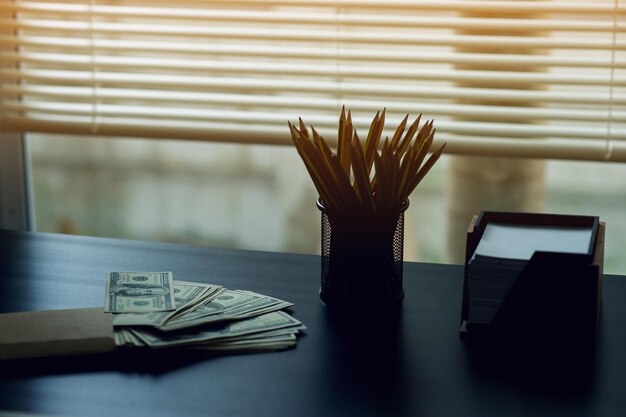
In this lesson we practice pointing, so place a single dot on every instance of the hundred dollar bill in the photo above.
(225, 301)
(125, 338)
(119, 339)
(264, 304)
(255, 308)
(206, 298)
(185, 294)
(263, 323)
(256, 344)
(139, 292)
(236, 308)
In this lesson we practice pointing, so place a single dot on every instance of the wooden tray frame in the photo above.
(584, 268)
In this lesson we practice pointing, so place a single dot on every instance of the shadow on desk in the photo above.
(367, 361)
(145, 362)
(545, 369)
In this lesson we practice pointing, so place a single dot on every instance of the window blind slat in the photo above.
(312, 18)
(201, 50)
(508, 6)
(278, 85)
(294, 104)
(138, 113)
(589, 150)
(310, 35)
(104, 63)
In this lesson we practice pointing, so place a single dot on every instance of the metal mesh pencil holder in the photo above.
(362, 258)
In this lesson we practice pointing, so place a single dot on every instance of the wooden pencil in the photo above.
(369, 179)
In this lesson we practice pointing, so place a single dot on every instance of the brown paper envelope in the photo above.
(55, 333)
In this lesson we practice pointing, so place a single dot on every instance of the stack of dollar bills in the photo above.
(152, 310)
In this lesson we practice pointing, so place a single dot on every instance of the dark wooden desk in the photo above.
(414, 364)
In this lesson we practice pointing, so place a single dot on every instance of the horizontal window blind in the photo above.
(540, 79)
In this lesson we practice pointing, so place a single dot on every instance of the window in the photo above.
(541, 79)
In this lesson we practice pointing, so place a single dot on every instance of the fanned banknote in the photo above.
(263, 323)
(210, 318)
(185, 294)
(228, 306)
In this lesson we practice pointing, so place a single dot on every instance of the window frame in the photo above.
(15, 190)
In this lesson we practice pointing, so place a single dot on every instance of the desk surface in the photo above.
(414, 364)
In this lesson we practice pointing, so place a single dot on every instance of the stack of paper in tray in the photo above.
(502, 254)
(152, 310)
